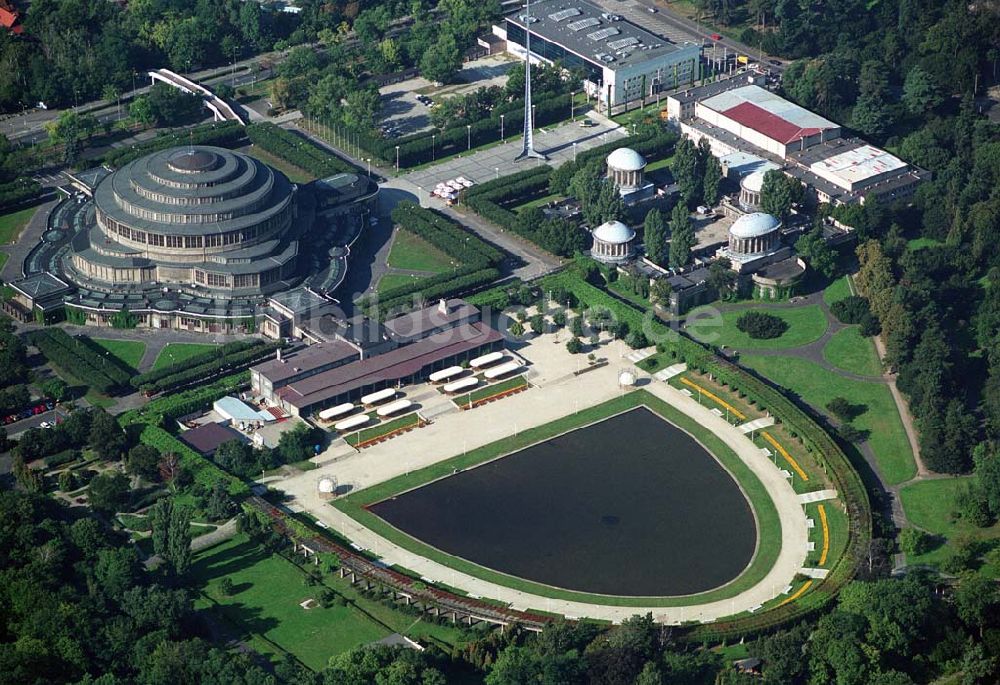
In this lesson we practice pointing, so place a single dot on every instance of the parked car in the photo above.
(45, 424)
(775, 62)
(587, 123)
(716, 36)
(651, 10)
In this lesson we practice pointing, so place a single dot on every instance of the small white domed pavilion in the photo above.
(614, 243)
(750, 188)
(754, 234)
(627, 170)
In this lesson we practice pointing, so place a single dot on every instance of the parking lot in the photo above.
(404, 113)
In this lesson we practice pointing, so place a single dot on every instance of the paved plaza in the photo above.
(557, 392)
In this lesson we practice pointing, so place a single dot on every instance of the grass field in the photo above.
(919, 243)
(850, 351)
(128, 352)
(805, 324)
(176, 352)
(384, 428)
(12, 224)
(294, 173)
(930, 505)
(412, 253)
(817, 387)
(390, 281)
(265, 604)
(837, 290)
(767, 517)
(491, 390)
(538, 202)
(3, 259)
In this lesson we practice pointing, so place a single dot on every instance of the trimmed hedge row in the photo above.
(202, 470)
(487, 200)
(194, 360)
(446, 235)
(223, 134)
(814, 438)
(436, 143)
(19, 191)
(160, 411)
(297, 150)
(236, 361)
(443, 285)
(76, 357)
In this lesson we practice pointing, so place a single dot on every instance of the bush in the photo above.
(852, 309)
(298, 151)
(226, 586)
(761, 325)
(844, 410)
(78, 356)
(913, 541)
(973, 507)
(870, 325)
(574, 346)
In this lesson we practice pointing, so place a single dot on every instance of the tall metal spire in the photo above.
(528, 140)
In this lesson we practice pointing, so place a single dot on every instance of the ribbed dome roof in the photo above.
(754, 182)
(754, 225)
(626, 159)
(614, 232)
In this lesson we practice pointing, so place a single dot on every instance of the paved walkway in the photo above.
(559, 393)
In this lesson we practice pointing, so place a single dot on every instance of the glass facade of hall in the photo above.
(556, 53)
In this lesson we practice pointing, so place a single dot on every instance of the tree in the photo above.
(711, 181)
(920, 93)
(721, 278)
(761, 325)
(817, 252)
(914, 542)
(871, 116)
(108, 492)
(179, 540)
(106, 436)
(144, 461)
(685, 170)
(655, 236)
(975, 598)
(442, 61)
(842, 408)
(778, 192)
(660, 291)
(574, 346)
(681, 236)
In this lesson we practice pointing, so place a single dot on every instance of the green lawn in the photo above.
(176, 352)
(817, 387)
(3, 259)
(805, 324)
(384, 428)
(837, 290)
(930, 505)
(538, 202)
(491, 390)
(390, 281)
(412, 253)
(850, 351)
(12, 224)
(265, 604)
(767, 517)
(128, 352)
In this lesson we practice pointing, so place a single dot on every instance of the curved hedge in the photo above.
(81, 358)
(224, 134)
(297, 150)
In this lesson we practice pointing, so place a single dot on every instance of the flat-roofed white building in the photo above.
(766, 120)
(620, 61)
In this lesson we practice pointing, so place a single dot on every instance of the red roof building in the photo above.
(10, 18)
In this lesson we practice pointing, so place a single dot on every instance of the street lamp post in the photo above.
(397, 159)
(433, 153)
(572, 106)
(496, 169)
(468, 130)
(503, 138)
(368, 160)
(574, 151)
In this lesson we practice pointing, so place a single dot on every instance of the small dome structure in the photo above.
(756, 233)
(626, 159)
(327, 485)
(626, 169)
(750, 188)
(613, 242)
(626, 379)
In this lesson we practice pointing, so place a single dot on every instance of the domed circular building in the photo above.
(614, 243)
(626, 169)
(210, 220)
(754, 234)
(750, 188)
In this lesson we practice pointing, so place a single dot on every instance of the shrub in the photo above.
(973, 507)
(851, 309)
(574, 346)
(296, 150)
(844, 410)
(226, 586)
(761, 325)
(870, 325)
(913, 541)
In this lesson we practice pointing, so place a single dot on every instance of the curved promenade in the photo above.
(559, 393)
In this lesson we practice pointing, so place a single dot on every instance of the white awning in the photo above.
(462, 384)
(380, 396)
(334, 412)
(394, 407)
(445, 374)
(353, 422)
(502, 370)
(486, 360)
